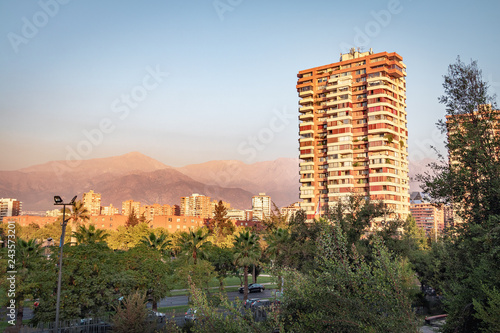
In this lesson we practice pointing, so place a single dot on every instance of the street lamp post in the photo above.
(59, 202)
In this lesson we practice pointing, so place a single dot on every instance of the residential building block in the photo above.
(353, 132)
(92, 201)
(261, 206)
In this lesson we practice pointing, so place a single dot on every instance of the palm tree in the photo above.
(89, 235)
(246, 252)
(26, 251)
(194, 244)
(160, 243)
(79, 214)
(276, 241)
(27, 256)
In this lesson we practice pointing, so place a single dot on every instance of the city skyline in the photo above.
(210, 81)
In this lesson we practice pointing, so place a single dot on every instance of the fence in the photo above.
(88, 325)
(91, 325)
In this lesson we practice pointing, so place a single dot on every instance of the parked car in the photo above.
(248, 303)
(253, 287)
(191, 315)
(158, 316)
(261, 302)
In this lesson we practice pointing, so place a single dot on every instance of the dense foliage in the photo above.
(347, 293)
(465, 265)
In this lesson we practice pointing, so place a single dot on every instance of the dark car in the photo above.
(248, 303)
(254, 287)
(261, 302)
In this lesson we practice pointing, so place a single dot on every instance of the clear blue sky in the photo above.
(231, 64)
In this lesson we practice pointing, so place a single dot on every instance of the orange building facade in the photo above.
(92, 201)
(130, 206)
(353, 132)
(428, 217)
(196, 205)
(172, 223)
(151, 211)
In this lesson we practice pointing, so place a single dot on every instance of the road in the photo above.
(183, 300)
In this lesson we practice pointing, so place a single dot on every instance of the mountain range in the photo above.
(142, 178)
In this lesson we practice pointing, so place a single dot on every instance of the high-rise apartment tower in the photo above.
(261, 207)
(196, 205)
(92, 201)
(9, 207)
(353, 134)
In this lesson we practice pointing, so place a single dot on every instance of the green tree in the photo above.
(152, 274)
(222, 260)
(159, 242)
(275, 220)
(132, 219)
(194, 244)
(90, 235)
(200, 274)
(29, 232)
(299, 252)
(91, 279)
(52, 230)
(78, 215)
(355, 215)
(277, 240)
(227, 317)
(347, 293)
(126, 238)
(246, 252)
(470, 181)
(489, 313)
(28, 259)
(132, 315)
(415, 236)
(220, 225)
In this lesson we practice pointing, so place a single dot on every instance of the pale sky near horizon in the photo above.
(191, 81)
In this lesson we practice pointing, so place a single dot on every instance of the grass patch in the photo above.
(5, 324)
(3, 297)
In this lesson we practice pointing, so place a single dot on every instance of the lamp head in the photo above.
(73, 200)
(57, 200)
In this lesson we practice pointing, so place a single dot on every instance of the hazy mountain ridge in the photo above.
(141, 178)
(123, 164)
(278, 178)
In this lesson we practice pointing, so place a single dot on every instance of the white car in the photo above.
(158, 315)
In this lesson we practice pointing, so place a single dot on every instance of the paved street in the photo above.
(183, 300)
